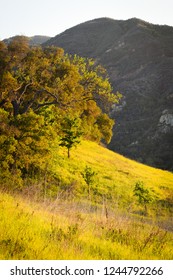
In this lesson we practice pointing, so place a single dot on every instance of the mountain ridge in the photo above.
(138, 57)
(33, 40)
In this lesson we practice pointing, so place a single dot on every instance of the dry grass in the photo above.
(71, 231)
(62, 222)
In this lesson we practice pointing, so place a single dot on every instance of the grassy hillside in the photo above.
(64, 221)
(115, 176)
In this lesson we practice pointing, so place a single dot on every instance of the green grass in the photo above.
(61, 221)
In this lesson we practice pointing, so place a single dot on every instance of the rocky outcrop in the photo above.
(165, 124)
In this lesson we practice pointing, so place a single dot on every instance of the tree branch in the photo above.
(25, 88)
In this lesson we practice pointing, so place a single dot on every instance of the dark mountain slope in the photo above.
(38, 39)
(139, 59)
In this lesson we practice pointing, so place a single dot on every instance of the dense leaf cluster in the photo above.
(48, 96)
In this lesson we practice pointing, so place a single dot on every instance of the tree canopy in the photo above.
(39, 88)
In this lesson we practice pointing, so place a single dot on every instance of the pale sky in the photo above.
(51, 17)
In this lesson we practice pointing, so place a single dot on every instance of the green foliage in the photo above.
(70, 133)
(45, 95)
(24, 144)
(105, 125)
(89, 176)
(143, 195)
(36, 77)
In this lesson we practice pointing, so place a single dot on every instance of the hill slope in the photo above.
(114, 179)
(105, 225)
(139, 59)
(33, 41)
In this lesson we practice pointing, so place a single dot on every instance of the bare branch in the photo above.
(25, 88)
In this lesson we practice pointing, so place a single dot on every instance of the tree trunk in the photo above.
(68, 153)
(15, 108)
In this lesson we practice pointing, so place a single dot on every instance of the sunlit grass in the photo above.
(116, 175)
(64, 222)
(39, 231)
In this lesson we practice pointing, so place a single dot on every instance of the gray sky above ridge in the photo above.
(51, 17)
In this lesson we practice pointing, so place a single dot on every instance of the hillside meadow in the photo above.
(85, 208)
